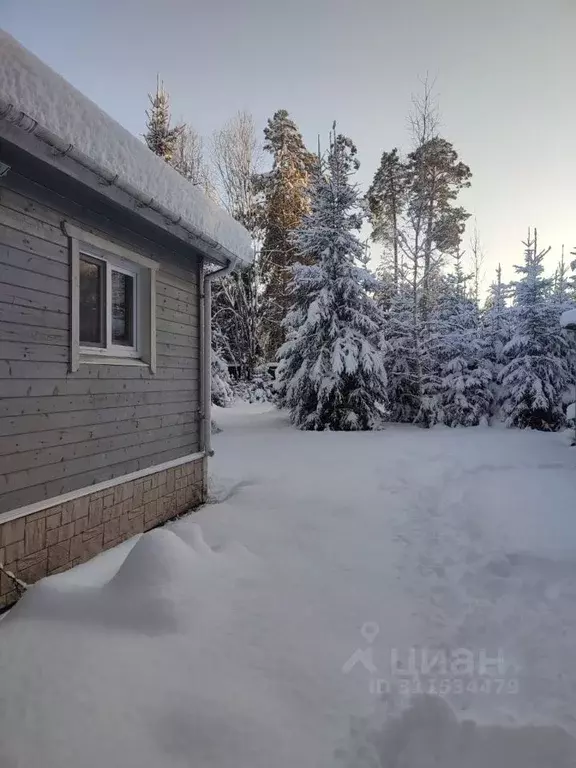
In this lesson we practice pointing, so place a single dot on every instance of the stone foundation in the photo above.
(57, 538)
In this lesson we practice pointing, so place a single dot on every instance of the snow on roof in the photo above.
(568, 319)
(30, 86)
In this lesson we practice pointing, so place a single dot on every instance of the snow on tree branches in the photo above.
(331, 372)
(537, 372)
(160, 137)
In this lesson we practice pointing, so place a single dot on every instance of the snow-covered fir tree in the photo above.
(564, 297)
(497, 321)
(459, 392)
(572, 278)
(537, 371)
(496, 330)
(160, 137)
(331, 372)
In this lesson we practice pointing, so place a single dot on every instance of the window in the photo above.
(123, 308)
(113, 303)
(92, 301)
(108, 306)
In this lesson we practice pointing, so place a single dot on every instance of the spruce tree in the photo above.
(160, 137)
(497, 321)
(331, 371)
(537, 371)
(572, 278)
(564, 298)
(496, 329)
(286, 200)
(462, 386)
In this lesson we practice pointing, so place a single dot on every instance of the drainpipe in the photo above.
(206, 320)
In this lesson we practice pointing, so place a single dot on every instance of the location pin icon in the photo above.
(369, 631)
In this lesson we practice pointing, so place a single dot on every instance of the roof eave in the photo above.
(20, 128)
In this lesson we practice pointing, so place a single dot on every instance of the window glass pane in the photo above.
(122, 309)
(91, 302)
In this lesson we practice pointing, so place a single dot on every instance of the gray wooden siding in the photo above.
(60, 431)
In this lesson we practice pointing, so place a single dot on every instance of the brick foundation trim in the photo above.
(60, 537)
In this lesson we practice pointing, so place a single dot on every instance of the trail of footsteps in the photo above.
(472, 596)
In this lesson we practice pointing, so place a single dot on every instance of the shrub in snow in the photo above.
(331, 372)
(222, 394)
(537, 372)
(260, 389)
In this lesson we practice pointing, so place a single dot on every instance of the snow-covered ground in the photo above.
(258, 632)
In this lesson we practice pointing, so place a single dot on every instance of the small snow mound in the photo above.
(225, 553)
(191, 534)
(146, 595)
(159, 559)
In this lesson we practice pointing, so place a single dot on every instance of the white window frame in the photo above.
(143, 271)
(110, 265)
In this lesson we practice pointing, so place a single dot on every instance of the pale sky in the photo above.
(505, 73)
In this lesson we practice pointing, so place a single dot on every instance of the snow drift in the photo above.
(222, 646)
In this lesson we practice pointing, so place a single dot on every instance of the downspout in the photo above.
(206, 321)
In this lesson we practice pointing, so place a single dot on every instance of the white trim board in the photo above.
(55, 501)
(75, 233)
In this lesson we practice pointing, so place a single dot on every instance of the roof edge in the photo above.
(11, 114)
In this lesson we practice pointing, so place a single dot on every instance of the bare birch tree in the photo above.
(477, 264)
(237, 160)
(188, 158)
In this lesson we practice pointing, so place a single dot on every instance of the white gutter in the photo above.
(206, 320)
(62, 149)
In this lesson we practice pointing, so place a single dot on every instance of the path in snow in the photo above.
(257, 631)
(486, 527)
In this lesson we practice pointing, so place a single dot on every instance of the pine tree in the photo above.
(436, 177)
(427, 226)
(331, 370)
(386, 198)
(159, 136)
(286, 200)
(537, 373)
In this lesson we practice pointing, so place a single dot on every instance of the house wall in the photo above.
(62, 431)
(67, 534)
